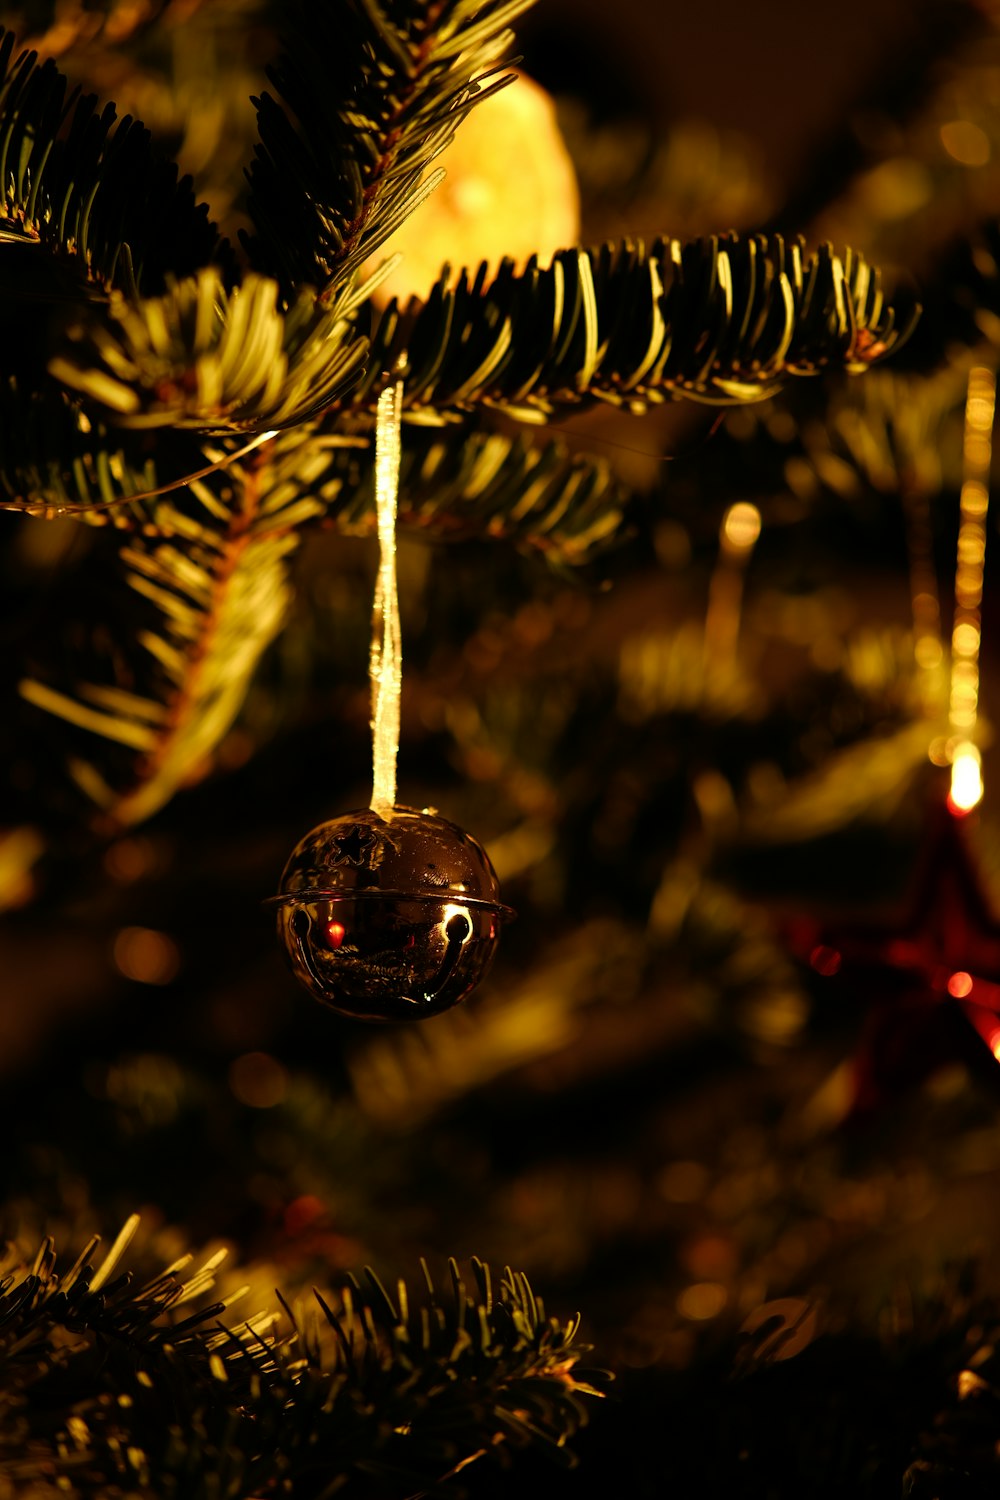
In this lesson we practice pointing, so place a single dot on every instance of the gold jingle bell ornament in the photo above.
(387, 913)
(390, 918)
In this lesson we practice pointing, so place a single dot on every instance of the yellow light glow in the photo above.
(741, 526)
(938, 754)
(683, 1181)
(259, 1080)
(450, 912)
(703, 1300)
(737, 536)
(980, 406)
(966, 779)
(970, 1384)
(928, 653)
(965, 640)
(146, 956)
(966, 143)
(972, 548)
(129, 859)
(975, 498)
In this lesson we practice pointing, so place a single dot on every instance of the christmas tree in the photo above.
(696, 1194)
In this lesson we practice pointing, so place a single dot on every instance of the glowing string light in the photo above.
(737, 538)
(963, 707)
(385, 662)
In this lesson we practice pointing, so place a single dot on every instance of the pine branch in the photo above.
(599, 1003)
(215, 360)
(87, 187)
(214, 583)
(104, 1386)
(377, 93)
(712, 335)
(54, 456)
(218, 592)
(720, 321)
(455, 486)
(978, 267)
(893, 435)
(716, 320)
(896, 434)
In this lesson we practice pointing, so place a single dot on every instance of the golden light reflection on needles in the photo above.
(963, 706)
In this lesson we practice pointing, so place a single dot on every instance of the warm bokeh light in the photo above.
(129, 859)
(928, 652)
(966, 779)
(147, 956)
(777, 1015)
(960, 985)
(737, 537)
(302, 1212)
(19, 850)
(683, 1181)
(259, 1080)
(966, 143)
(703, 1300)
(939, 751)
(966, 638)
(509, 190)
(741, 526)
(825, 961)
(963, 706)
(895, 189)
(711, 1257)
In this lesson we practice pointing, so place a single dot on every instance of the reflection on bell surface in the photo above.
(383, 958)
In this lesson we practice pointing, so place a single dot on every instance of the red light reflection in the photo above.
(825, 961)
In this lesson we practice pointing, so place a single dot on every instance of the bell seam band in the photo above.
(455, 898)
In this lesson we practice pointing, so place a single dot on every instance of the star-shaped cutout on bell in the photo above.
(355, 846)
(933, 974)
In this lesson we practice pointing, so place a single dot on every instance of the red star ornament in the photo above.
(935, 976)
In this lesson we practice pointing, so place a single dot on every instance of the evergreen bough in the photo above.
(112, 1386)
(165, 353)
(213, 404)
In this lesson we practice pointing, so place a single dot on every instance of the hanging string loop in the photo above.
(385, 662)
